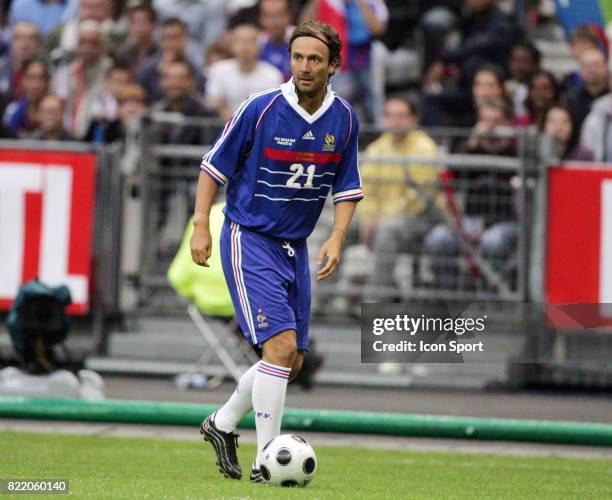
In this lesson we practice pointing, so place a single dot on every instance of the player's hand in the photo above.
(201, 245)
(331, 250)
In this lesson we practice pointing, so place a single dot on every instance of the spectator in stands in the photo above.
(487, 220)
(25, 45)
(105, 105)
(493, 115)
(561, 123)
(230, 82)
(456, 109)
(131, 100)
(80, 83)
(524, 61)
(51, 120)
(399, 206)
(487, 37)
(205, 21)
(46, 15)
(62, 42)
(583, 38)
(594, 84)
(173, 46)
(180, 96)
(596, 132)
(219, 50)
(543, 94)
(140, 44)
(364, 21)
(275, 20)
(21, 115)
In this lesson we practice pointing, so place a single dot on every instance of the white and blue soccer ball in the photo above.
(288, 460)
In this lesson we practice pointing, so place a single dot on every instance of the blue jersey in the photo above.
(279, 162)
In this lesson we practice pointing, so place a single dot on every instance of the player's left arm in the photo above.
(346, 193)
(331, 249)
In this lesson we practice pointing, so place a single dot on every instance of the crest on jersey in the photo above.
(330, 143)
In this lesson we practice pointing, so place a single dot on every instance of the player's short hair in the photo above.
(323, 32)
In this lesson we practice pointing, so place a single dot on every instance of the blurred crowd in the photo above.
(86, 70)
(81, 69)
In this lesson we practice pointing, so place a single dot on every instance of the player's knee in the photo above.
(297, 366)
(281, 349)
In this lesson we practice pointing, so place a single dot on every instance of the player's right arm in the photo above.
(217, 168)
(201, 241)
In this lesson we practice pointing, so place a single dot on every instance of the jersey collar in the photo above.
(290, 94)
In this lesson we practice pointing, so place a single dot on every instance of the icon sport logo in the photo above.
(308, 136)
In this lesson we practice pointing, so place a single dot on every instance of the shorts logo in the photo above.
(329, 143)
(261, 320)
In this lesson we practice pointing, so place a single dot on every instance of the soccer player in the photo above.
(279, 155)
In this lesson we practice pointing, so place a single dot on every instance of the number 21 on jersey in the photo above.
(298, 171)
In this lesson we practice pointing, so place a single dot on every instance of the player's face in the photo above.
(310, 65)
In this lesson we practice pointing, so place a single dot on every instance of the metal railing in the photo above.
(166, 177)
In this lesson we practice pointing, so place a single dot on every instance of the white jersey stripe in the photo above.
(348, 192)
(290, 187)
(239, 278)
(290, 199)
(292, 173)
(235, 118)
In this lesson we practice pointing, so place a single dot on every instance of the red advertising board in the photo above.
(46, 222)
(579, 237)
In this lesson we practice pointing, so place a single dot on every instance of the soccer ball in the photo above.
(288, 460)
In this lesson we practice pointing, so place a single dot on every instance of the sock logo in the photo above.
(261, 414)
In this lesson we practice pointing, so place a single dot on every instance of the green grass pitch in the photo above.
(116, 467)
